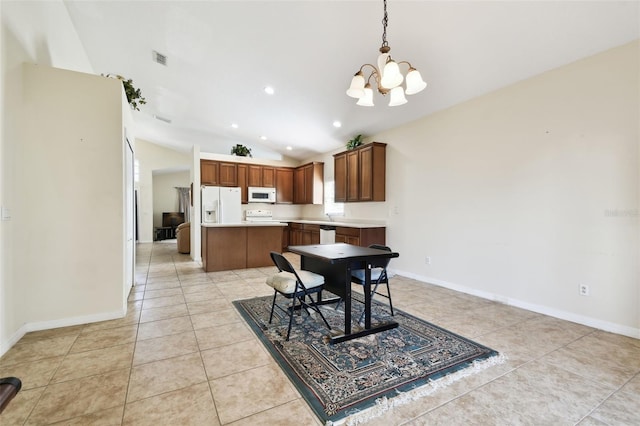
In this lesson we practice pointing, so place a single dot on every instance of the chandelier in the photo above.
(387, 76)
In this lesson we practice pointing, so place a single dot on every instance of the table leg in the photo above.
(367, 297)
(347, 301)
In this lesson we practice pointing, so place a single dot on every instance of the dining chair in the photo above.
(294, 285)
(378, 276)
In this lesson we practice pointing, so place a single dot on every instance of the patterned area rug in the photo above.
(355, 380)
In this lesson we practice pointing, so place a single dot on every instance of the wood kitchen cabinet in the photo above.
(209, 172)
(340, 177)
(218, 173)
(262, 176)
(303, 234)
(295, 234)
(239, 247)
(243, 173)
(228, 174)
(284, 185)
(360, 236)
(308, 184)
(353, 181)
(268, 177)
(360, 174)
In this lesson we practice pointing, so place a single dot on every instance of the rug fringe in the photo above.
(385, 404)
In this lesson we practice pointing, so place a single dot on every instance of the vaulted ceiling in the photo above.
(222, 54)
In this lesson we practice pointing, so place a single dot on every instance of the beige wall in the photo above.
(525, 193)
(32, 32)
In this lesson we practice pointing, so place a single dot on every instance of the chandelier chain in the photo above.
(385, 21)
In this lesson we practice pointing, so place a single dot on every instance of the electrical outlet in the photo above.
(584, 290)
(427, 260)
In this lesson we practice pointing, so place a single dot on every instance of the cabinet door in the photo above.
(242, 182)
(366, 174)
(228, 174)
(255, 176)
(284, 186)
(352, 176)
(209, 172)
(308, 184)
(299, 186)
(340, 177)
(268, 177)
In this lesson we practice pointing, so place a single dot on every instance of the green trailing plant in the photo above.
(355, 142)
(241, 151)
(134, 96)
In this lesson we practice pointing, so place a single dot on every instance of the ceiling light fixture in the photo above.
(337, 124)
(264, 138)
(269, 90)
(387, 76)
(289, 148)
(234, 125)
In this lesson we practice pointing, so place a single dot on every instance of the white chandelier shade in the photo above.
(367, 99)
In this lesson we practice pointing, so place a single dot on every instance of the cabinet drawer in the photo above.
(350, 232)
(311, 227)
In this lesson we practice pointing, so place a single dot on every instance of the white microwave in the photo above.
(261, 195)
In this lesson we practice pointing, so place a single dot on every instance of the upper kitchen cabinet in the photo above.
(262, 176)
(308, 184)
(284, 185)
(228, 174)
(243, 182)
(218, 173)
(209, 172)
(360, 173)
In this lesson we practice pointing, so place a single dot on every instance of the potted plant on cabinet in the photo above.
(355, 142)
(134, 96)
(241, 151)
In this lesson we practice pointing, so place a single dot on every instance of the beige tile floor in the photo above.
(182, 355)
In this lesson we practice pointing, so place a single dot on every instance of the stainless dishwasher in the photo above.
(327, 234)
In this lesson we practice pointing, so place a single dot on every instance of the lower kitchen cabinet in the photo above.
(301, 234)
(306, 233)
(360, 236)
(239, 247)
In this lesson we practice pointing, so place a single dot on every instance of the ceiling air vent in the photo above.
(166, 120)
(160, 58)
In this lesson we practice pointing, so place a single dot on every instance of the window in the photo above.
(330, 206)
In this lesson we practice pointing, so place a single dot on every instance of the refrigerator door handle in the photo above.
(220, 216)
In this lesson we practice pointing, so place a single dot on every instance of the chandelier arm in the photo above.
(405, 62)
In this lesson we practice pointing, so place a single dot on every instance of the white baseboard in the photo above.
(64, 322)
(541, 309)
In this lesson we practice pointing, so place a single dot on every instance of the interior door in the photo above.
(129, 208)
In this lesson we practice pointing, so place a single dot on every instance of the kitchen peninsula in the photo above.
(228, 246)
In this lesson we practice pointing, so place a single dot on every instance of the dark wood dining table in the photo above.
(335, 262)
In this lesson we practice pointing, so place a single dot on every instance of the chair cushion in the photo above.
(285, 282)
(359, 274)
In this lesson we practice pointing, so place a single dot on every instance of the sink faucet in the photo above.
(330, 218)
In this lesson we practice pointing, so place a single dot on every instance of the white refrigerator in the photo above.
(221, 204)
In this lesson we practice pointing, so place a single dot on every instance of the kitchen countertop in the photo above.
(242, 224)
(332, 223)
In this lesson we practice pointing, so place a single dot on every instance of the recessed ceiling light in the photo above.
(337, 124)
(234, 125)
(269, 90)
(264, 138)
(289, 148)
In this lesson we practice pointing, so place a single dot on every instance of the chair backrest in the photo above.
(282, 263)
(382, 247)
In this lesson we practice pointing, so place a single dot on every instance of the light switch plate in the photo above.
(6, 213)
